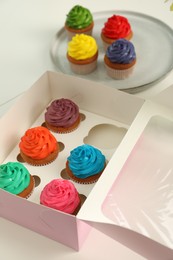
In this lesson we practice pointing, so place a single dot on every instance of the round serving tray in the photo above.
(153, 41)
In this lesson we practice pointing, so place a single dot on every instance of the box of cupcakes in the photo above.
(73, 159)
(62, 135)
(79, 154)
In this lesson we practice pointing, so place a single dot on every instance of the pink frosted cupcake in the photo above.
(82, 54)
(61, 195)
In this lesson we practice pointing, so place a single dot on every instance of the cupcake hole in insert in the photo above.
(105, 136)
(61, 146)
(37, 180)
(19, 158)
(82, 117)
(64, 175)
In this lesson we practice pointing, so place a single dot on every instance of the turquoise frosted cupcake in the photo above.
(16, 179)
(85, 164)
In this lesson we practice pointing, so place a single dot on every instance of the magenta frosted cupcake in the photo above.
(62, 116)
(61, 195)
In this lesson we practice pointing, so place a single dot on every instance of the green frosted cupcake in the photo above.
(79, 20)
(16, 179)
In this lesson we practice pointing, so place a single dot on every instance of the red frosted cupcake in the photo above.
(115, 27)
(61, 195)
(38, 146)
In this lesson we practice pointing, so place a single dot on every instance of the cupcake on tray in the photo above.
(82, 54)
(16, 179)
(38, 146)
(115, 27)
(85, 164)
(120, 59)
(79, 20)
(61, 195)
(62, 116)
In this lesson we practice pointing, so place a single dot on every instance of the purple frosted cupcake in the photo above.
(120, 59)
(62, 116)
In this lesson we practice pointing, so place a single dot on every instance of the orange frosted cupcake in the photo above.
(82, 54)
(62, 116)
(16, 179)
(79, 20)
(38, 146)
(115, 27)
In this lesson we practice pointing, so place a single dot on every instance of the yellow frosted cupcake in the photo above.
(82, 54)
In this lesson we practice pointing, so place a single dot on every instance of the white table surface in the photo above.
(27, 28)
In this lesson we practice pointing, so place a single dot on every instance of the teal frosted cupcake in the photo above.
(85, 164)
(79, 20)
(16, 179)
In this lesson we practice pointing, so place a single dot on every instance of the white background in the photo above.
(26, 29)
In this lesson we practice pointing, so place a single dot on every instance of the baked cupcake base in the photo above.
(83, 67)
(108, 41)
(118, 71)
(63, 130)
(72, 32)
(88, 180)
(26, 193)
(40, 162)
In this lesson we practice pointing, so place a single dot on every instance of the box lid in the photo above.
(131, 201)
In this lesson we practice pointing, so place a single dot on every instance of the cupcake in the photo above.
(16, 179)
(38, 146)
(120, 59)
(82, 54)
(115, 27)
(62, 116)
(79, 20)
(61, 195)
(85, 164)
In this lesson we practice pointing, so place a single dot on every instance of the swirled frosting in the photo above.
(121, 51)
(82, 47)
(14, 177)
(62, 113)
(85, 161)
(116, 27)
(38, 143)
(79, 17)
(61, 195)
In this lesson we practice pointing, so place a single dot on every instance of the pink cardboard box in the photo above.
(131, 202)
(100, 112)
